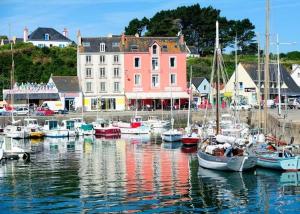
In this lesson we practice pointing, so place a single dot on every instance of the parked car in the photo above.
(43, 112)
(294, 103)
(240, 106)
(21, 111)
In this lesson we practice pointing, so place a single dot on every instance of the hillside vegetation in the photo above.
(33, 64)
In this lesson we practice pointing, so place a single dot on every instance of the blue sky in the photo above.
(101, 17)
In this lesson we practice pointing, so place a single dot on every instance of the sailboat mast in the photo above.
(218, 78)
(259, 84)
(266, 73)
(278, 77)
(190, 89)
(235, 84)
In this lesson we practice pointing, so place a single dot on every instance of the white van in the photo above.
(55, 106)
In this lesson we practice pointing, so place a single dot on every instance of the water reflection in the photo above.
(127, 175)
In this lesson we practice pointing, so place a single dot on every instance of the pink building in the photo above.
(155, 70)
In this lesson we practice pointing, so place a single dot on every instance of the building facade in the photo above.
(296, 74)
(100, 69)
(155, 71)
(47, 37)
(248, 84)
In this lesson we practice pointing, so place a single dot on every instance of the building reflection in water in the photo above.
(133, 172)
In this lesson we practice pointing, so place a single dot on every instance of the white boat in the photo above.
(78, 122)
(70, 126)
(52, 129)
(16, 132)
(33, 128)
(156, 123)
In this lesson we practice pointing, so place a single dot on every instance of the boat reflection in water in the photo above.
(287, 182)
(62, 145)
(15, 148)
(189, 149)
(223, 190)
(171, 145)
(139, 138)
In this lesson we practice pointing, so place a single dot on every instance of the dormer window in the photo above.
(102, 47)
(46, 37)
(154, 49)
(134, 48)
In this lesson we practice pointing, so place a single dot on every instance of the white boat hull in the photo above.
(235, 163)
(57, 133)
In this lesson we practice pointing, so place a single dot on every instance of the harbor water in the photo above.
(135, 174)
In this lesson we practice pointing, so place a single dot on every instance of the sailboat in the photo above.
(172, 135)
(190, 138)
(14, 130)
(218, 152)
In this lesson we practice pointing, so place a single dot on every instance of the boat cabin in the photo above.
(68, 124)
(30, 122)
(51, 124)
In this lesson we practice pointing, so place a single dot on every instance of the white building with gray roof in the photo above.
(100, 69)
(47, 37)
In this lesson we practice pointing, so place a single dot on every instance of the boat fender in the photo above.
(26, 157)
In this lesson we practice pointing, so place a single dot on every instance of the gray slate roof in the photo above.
(142, 44)
(66, 83)
(193, 50)
(292, 90)
(93, 44)
(196, 81)
(54, 35)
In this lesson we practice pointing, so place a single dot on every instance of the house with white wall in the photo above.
(248, 84)
(295, 74)
(47, 37)
(100, 69)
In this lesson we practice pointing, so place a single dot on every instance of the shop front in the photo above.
(116, 103)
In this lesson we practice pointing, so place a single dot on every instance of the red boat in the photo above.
(189, 148)
(104, 129)
(190, 139)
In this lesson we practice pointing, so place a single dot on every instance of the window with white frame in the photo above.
(137, 62)
(88, 59)
(116, 58)
(102, 72)
(46, 37)
(102, 86)
(154, 49)
(137, 79)
(88, 72)
(102, 47)
(116, 72)
(172, 62)
(116, 86)
(155, 80)
(204, 87)
(88, 87)
(154, 63)
(102, 59)
(173, 79)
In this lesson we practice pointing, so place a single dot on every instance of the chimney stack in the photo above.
(65, 32)
(123, 38)
(25, 34)
(181, 39)
(78, 38)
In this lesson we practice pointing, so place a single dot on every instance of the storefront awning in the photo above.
(33, 96)
(156, 95)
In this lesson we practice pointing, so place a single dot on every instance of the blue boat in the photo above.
(278, 160)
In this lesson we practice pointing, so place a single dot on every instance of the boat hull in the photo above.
(171, 137)
(108, 132)
(186, 140)
(289, 164)
(57, 133)
(235, 163)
